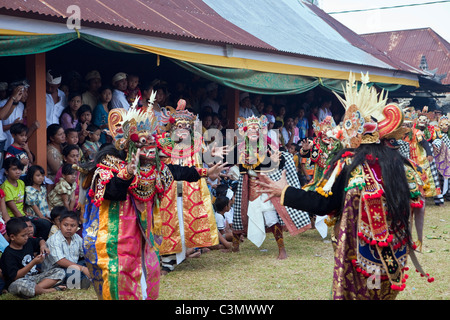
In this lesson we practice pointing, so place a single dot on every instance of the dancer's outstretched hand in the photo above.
(132, 166)
(275, 155)
(270, 187)
(219, 151)
(215, 170)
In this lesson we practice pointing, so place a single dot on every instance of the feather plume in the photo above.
(366, 98)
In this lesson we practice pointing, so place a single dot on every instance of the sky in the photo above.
(435, 16)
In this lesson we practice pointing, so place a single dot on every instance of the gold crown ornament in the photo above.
(367, 118)
(133, 128)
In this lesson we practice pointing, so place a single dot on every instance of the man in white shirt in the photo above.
(245, 110)
(56, 100)
(5, 110)
(16, 114)
(120, 83)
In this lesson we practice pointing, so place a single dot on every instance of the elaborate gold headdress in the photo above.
(171, 116)
(126, 127)
(242, 123)
(367, 117)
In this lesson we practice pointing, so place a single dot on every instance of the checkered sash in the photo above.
(434, 173)
(299, 218)
(403, 148)
(446, 140)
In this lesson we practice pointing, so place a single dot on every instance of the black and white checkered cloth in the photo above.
(435, 174)
(299, 218)
(403, 148)
(446, 140)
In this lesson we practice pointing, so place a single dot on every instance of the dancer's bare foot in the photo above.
(282, 254)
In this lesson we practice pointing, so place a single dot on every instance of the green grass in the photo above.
(255, 273)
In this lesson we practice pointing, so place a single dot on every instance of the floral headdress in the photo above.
(443, 119)
(243, 123)
(326, 128)
(171, 117)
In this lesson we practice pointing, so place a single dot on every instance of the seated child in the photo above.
(133, 90)
(71, 154)
(4, 216)
(13, 187)
(84, 115)
(294, 149)
(225, 190)
(63, 194)
(66, 251)
(36, 193)
(222, 205)
(54, 217)
(19, 148)
(18, 263)
(92, 144)
(73, 139)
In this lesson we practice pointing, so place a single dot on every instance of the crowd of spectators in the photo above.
(40, 204)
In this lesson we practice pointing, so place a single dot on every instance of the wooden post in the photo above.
(36, 107)
(232, 107)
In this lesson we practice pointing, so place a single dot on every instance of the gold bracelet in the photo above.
(124, 174)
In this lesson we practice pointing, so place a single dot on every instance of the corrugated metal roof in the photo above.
(411, 45)
(360, 42)
(290, 26)
(191, 19)
(284, 26)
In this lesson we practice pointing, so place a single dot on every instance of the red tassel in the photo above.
(347, 154)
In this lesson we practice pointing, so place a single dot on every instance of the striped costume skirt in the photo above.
(118, 249)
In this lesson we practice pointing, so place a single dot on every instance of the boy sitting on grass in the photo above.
(19, 263)
(66, 251)
(221, 206)
(13, 187)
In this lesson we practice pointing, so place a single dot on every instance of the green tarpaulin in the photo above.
(241, 79)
